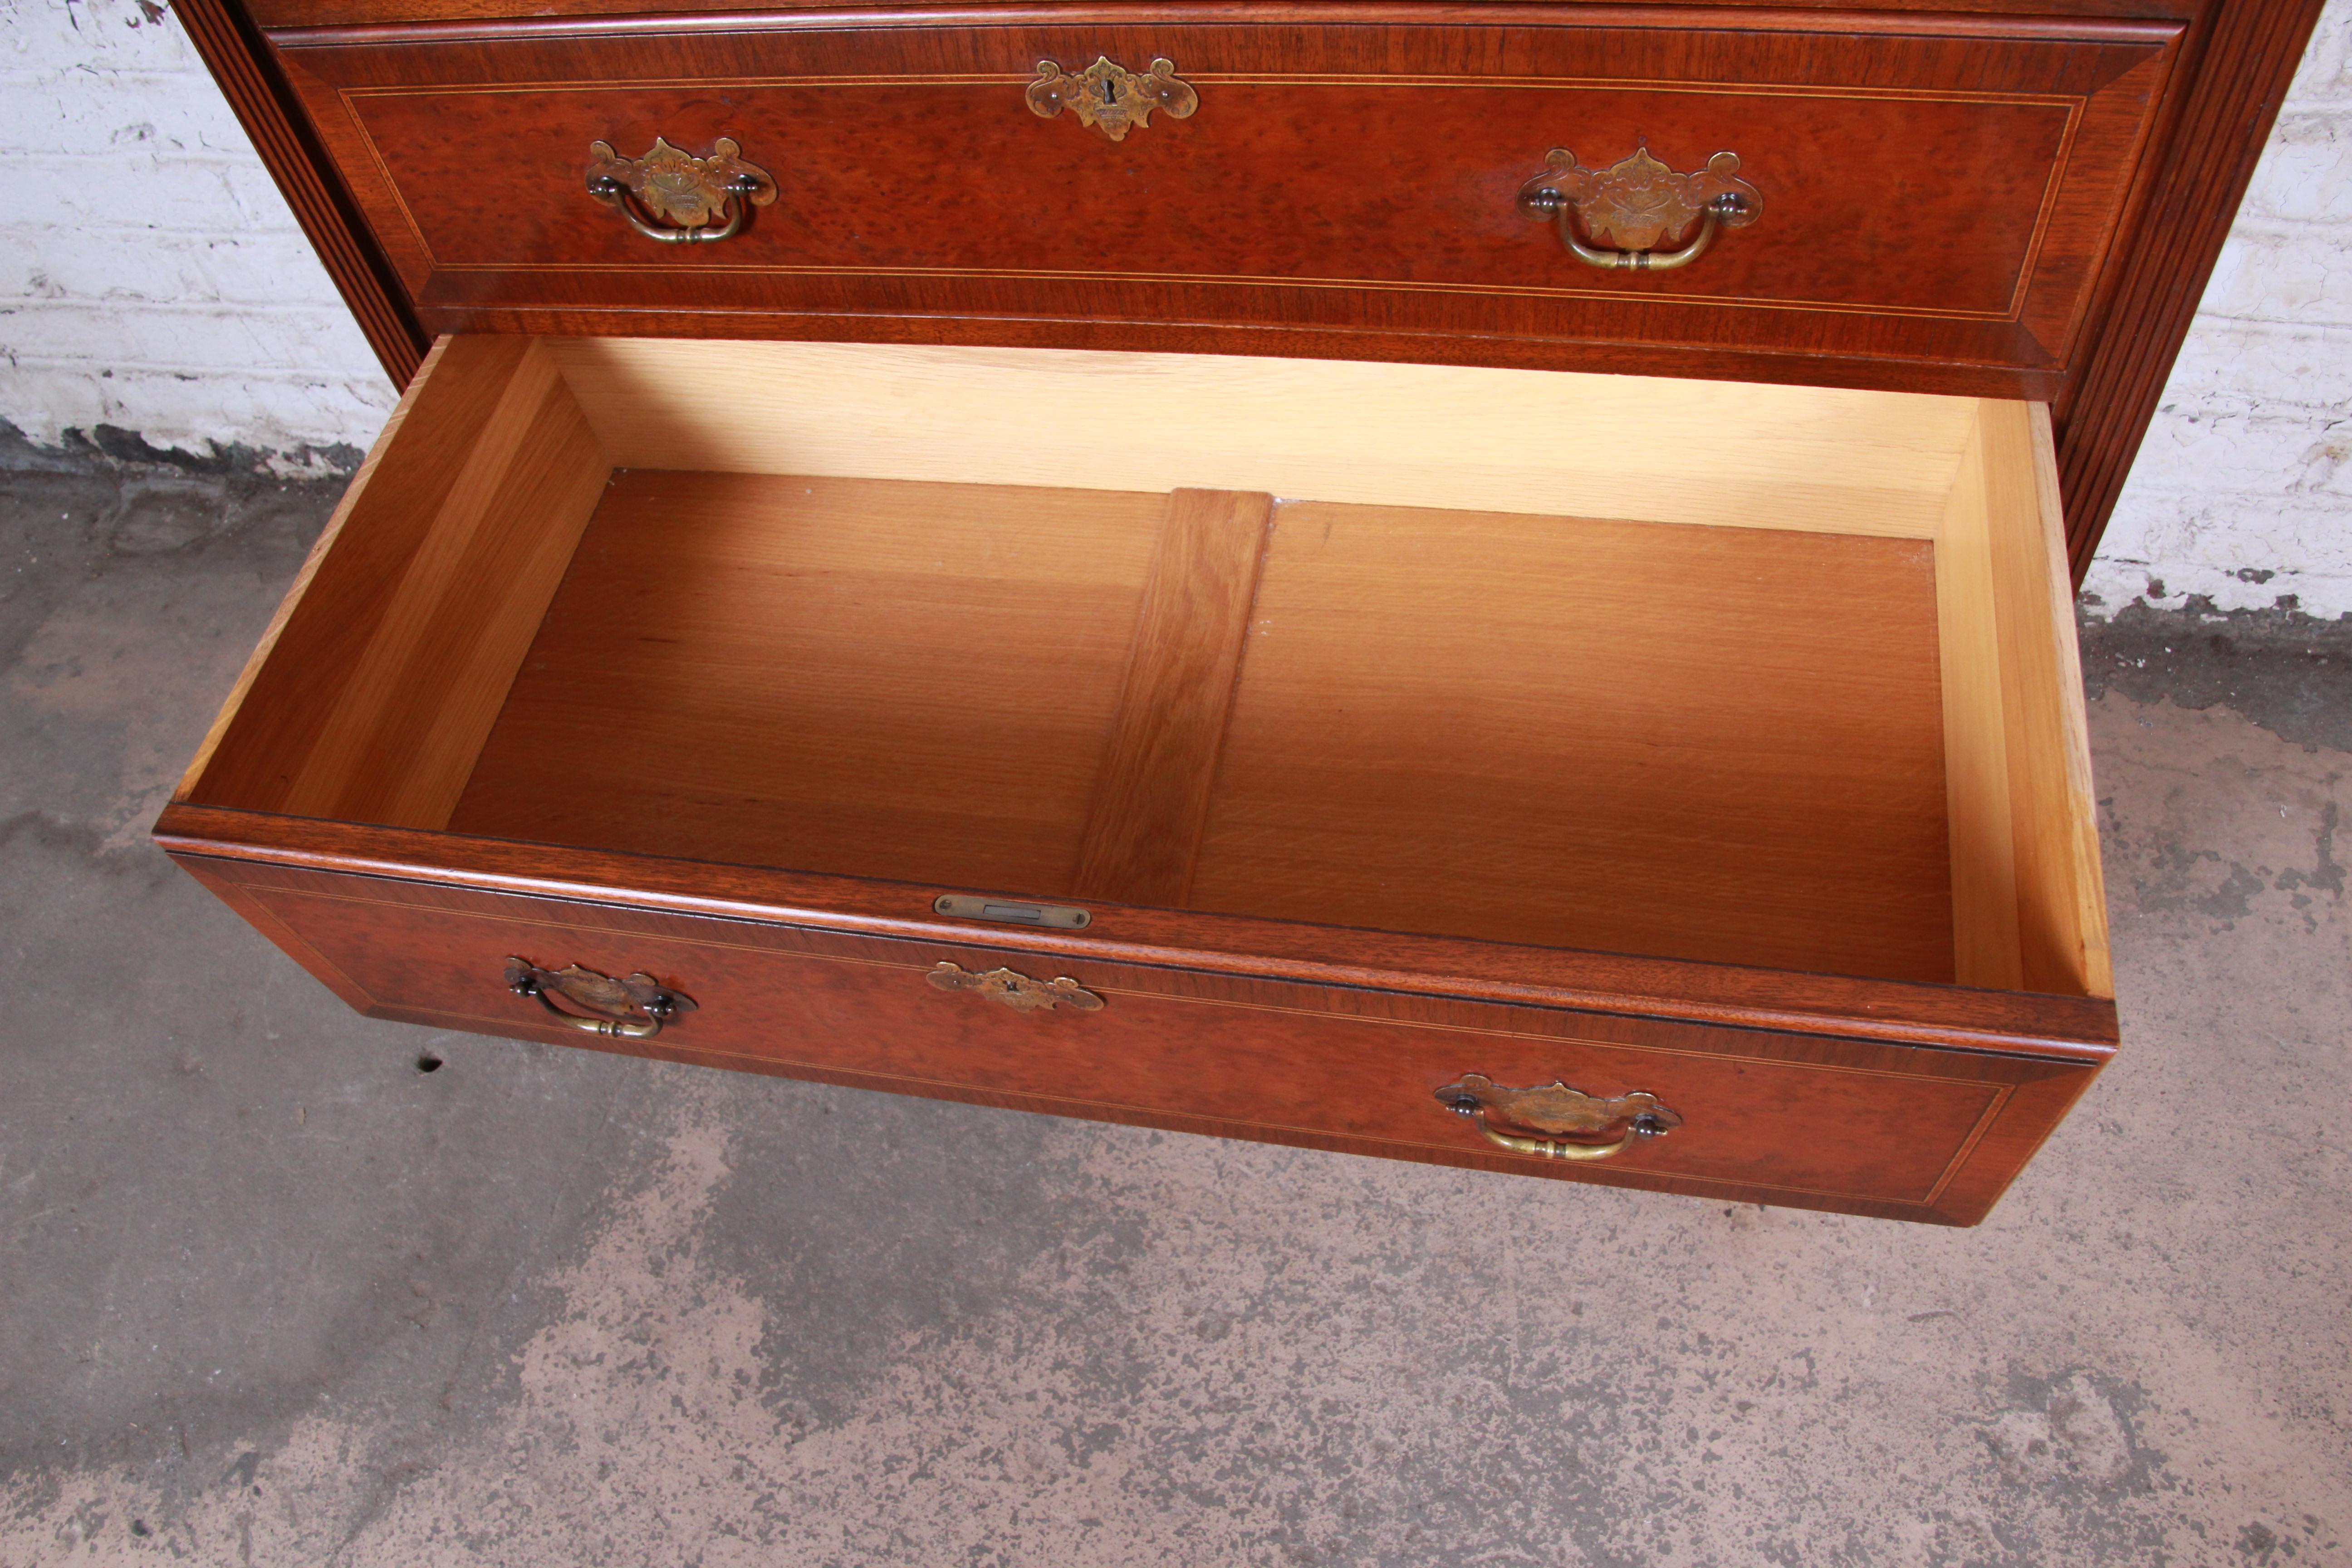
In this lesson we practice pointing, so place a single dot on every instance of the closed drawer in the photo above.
(1933, 198)
(1334, 730)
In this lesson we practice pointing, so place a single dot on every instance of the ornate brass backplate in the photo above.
(1015, 990)
(1554, 1108)
(637, 1001)
(1637, 202)
(671, 195)
(1111, 98)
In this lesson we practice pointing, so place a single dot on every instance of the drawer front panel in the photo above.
(1922, 196)
(1768, 1117)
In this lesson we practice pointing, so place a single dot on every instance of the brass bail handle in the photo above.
(1555, 1109)
(673, 197)
(633, 1008)
(1636, 203)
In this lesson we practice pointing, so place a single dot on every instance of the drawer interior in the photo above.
(1769, 676)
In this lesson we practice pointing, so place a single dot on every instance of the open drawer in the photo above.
(1298, 749)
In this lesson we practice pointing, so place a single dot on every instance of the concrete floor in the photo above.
(271, 1293)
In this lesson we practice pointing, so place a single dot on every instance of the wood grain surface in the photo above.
(2027, 886)
(1988, 949)
(1456, 723)
(243, 773)
(1151, 797)
(403, 731)
(2174, 98)
(2005, 1022)
(1938, 194)
(877, 679)
(2231, 70)
(2062, 889)
(376, 19)
(1921, 1134)
(479, 449)
(1707, 744)
(1459, 726)
(1464, 438)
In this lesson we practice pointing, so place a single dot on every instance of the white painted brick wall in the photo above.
(151, 275)
(152, 278)
(2243, 491)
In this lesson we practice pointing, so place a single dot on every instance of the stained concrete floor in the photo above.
(271, 1293)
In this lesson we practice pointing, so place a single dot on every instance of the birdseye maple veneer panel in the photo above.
(1275, 646)
(1938, 194)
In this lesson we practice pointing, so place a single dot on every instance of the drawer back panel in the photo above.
(1927, 195)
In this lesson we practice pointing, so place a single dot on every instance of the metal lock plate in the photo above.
(1013, 912)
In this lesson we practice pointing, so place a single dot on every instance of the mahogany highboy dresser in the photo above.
(1476, 583)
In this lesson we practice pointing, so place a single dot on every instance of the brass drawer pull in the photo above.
(631, 1009)
(675, 197)
(1554, 1108)
(1637, 203)
(1016, 990)
(1110, 98)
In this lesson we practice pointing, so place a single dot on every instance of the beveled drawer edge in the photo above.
(2073, 1030)
(1997, 1100)
(1264, 339)
(606, 933)
(1706, 1189)
(1112, 277)
(1334, 13)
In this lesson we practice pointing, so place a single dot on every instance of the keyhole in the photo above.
(1110, 95)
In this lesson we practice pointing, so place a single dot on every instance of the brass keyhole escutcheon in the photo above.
(1016, 990)
(1110, 98)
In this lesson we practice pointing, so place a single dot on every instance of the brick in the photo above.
(2228, 534)
(309, 338)
(2111, 585)
(96, 35)
(2229, 367)
(97, 111)
(259, 201)
(2326, 74)
(257, 268)
(2214, 546)
(2282, 452)
(95, 194)
(269, 414)
(2272, 272)
(2306, 175)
